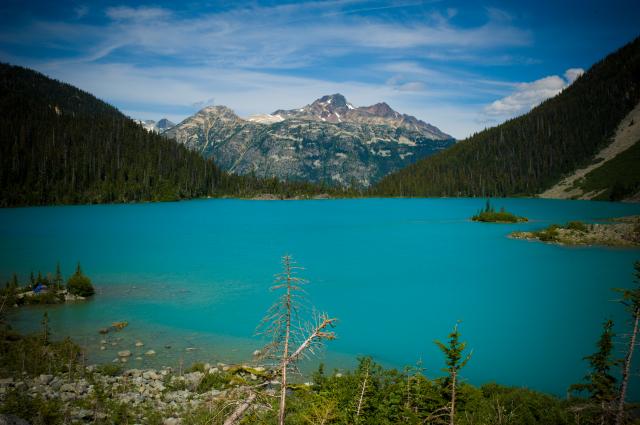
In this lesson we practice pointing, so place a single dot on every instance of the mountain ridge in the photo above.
(320, 142)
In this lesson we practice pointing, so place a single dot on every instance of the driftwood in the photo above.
(240, 410)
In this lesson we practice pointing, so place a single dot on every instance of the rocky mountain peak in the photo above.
(381, 109)
(164, 124)
(217, 111)
(333, 101)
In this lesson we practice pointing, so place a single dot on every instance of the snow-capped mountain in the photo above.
(335, 109)
(157, 127)
(329, 141)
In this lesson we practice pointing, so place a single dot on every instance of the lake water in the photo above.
(397, 273)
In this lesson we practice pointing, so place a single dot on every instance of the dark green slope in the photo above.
(60, 145)
(528, 154)
(617, 179)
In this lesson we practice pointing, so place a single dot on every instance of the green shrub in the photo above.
(578, 226)
(109, 369)
(36, 410)
(196, 367)
(212, 381)
(79, 284)
(550, 234)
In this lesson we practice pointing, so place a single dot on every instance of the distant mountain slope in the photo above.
(328, 141)
(601, 179)
(531, 153)
(59, 144)
(157, 127)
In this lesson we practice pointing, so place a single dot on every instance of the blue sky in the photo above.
(460, 65)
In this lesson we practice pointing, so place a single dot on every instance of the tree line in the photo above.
(528, 154)
(61, 145)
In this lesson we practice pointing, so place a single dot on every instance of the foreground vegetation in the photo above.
(490, 215)
(48, 382)
(528, 154)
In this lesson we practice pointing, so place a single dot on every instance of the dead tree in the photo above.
(290, 337)
(631, 299)
(362, 389)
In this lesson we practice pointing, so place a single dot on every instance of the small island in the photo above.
(490, 215)
(619, 232)
(47, 289)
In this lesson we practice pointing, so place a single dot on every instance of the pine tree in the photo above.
(79, 284)
(600, 384)
(58, 280)
(631, 300)
(455, 361)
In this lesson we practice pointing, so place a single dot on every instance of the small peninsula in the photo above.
(47, 289)
(490, 215)
(619, 232)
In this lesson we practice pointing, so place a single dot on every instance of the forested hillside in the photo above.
(60, 145)
(528, 154)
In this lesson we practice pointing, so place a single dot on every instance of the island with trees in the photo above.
(490, 215)
(47, 289)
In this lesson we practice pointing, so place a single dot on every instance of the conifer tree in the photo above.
(58, 279)
(600, 384)
(631, 300)
(79, 284)
(455, 360)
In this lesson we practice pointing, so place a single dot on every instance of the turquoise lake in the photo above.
(397, 273)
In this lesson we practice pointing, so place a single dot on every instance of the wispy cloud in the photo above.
(528, 95)
(257, 59)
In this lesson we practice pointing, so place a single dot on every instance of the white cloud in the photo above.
(528, 95)
(256, 59)
(284, 36)
(572, 74)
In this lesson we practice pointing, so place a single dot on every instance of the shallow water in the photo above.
(398, 273)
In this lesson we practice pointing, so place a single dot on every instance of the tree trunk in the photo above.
(364, 387)
(453, 399)
(239, 412)
(285, 353)
(626, 368)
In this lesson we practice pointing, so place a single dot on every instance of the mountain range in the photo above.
(328, 141)
(60, 144)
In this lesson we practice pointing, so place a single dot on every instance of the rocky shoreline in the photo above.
(162, 395)
(619, 232)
